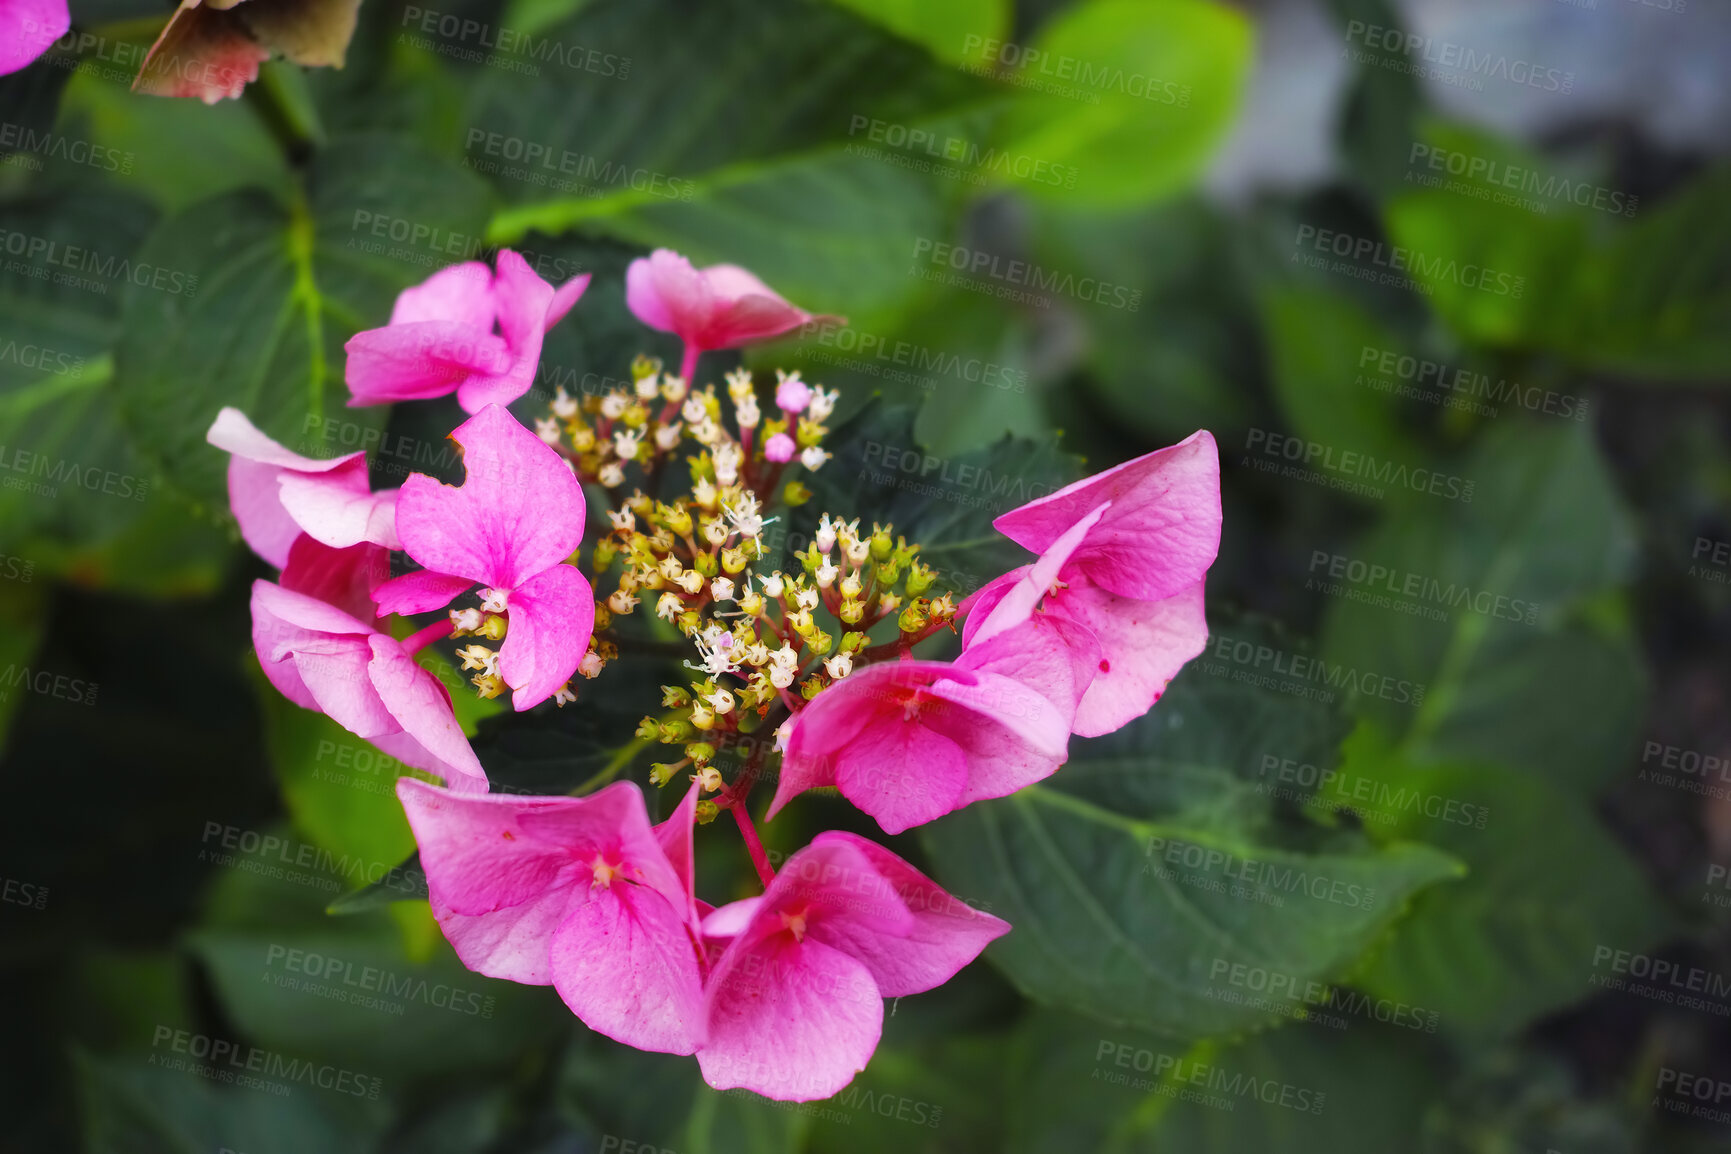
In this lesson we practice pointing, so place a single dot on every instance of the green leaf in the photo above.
(1316, 343)
(1548, 885)
(747, 170)
(1131, 895)
(1481, 604)
(141, 1106)
(740, 1122)
(946, 28)
(945, 504)
(278, 292)
(175, 152)
(1133, 96)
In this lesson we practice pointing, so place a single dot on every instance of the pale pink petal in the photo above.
(498, 893)
(1161, 534)
(664, 292)
(334, 669)
(302, 612)
(1143, 645)
(518, 511)
(28, 28)
(461, 294)
(729, 921)
(1005, 703)
(625, 963)
(233, 433)
(977, 606)
(332, 509)
(789, 1020)
(567, 295)
(420, 360)
(675, 837)
(944, 936)
(422, 709)
(419, 592)
(1055, 657)
(551, 617)
(255, 470)
(1016, 602)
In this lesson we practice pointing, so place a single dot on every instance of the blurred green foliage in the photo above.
(1417, 818)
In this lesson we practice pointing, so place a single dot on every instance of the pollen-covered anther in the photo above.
(604, 872)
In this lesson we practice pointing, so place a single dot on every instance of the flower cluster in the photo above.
(808, 657)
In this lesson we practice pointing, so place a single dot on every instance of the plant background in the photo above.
(745, 132)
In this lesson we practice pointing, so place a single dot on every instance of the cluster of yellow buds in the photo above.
(601, 435)
(489, 622)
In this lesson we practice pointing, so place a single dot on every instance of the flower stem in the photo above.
(688, 365)
(438, 630)
(753, 844)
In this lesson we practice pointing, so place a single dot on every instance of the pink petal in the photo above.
(419, 592)
(344, 578)
(731, 920)
(334, 670)
(300, 612)
(1056, 658)
(1018, 600)
(255, 470)
(977, 606)
(944, 936)
(789, 1020)
(902, 773)
(1161, 534)
(28, 28)
(664, 292)
(499, 893)
(332, 509)
(567, 295)
(461, 294)
(420, 360)
(625, 963)
(519, 510)
(523, 301)
(551, 617)
(233, 433)
(832, 720)
(1143, 645)
(422, 709)
(675, 836)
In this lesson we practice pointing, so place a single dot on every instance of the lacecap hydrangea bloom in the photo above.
(803, 668)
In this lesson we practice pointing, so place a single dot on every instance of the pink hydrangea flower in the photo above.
(277, 494)
(28, 28)
(322, 658)
(780, 994)
(1124, 557)
(573, 892)
(509, 526)
(719, 307)
(792, 395)
(441, 340)
(780, 448)
(795, 1001)
(909, 741)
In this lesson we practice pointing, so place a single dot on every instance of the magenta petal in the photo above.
(902, 773)
(1162, 532)
(830, 722)
(344, 578)
(567, 295)
(625, 963)
(551, 617)
(499, 894)
(664, 292)
(944, 936)
(518, 511)
(420, 360)
(419, 592)
(28, 28)
(334, 510)
(257, 466)
(977, 606)
(729, 921)
(789, 1020)
(461, 294)
(1019, 599)
(1143, 646)
(1055, 657)
(422, 709)
(675, 837)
